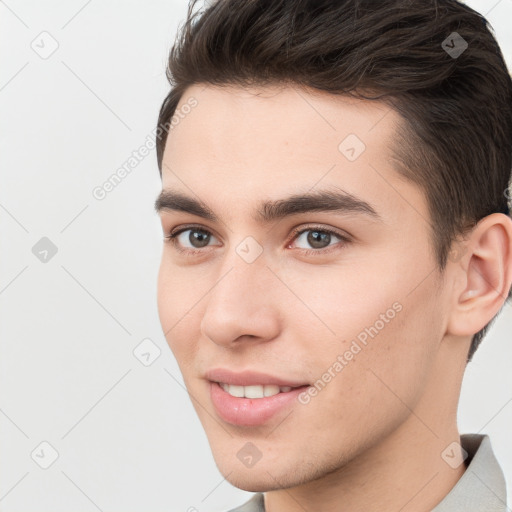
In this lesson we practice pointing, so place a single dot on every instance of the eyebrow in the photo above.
(272, 210)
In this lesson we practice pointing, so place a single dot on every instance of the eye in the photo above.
(194, 241)
(319, 238)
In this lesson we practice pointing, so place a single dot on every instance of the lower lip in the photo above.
(250, 412)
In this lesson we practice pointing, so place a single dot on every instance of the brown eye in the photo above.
(198, 238)
(317, 238)
(190, 239)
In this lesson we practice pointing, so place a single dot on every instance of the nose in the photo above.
(241, 305)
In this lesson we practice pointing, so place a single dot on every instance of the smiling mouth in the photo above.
(252, 405)
(255, 391)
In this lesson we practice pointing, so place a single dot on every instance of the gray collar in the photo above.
(482, 486)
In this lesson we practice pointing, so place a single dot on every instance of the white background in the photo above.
(126, 434)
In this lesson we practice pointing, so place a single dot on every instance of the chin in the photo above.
(250, 481)
(264, 476)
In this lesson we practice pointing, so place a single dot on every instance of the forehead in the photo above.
(272, 141)
(231, 121)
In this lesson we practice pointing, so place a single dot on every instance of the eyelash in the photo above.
(172, 238)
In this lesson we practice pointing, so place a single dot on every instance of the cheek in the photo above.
(345, 302)
(379, 384)
(178, 308)
(377, 329)
(395, 366)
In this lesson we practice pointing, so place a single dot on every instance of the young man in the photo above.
(338, 238)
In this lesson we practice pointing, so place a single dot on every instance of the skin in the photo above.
(376, 431)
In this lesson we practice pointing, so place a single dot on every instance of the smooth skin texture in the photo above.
(375, 433)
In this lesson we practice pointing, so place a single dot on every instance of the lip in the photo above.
(249, 378)
(251, 412)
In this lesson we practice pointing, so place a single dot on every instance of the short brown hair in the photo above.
(455, 141)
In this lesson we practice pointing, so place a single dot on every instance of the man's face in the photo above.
(350, 320)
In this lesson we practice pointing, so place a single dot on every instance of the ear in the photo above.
(483, 275)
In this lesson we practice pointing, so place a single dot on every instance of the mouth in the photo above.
(251, 399)
(256, 391)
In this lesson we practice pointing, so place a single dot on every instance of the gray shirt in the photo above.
(480, 489)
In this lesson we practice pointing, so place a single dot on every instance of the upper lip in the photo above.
(249, 378)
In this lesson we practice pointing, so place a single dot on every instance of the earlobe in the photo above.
(487, 269)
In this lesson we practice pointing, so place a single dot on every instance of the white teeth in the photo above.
(255, 391)
(236, 391)
(271, 390)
